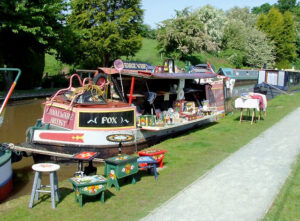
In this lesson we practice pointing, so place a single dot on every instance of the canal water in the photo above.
(19, 115)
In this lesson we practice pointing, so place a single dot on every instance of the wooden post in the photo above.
(241, 117)
(253, 114)
(131, 90)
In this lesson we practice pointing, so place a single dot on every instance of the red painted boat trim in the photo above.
(69, 137)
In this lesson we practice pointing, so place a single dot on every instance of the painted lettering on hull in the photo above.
(59, 117)
(120, 119)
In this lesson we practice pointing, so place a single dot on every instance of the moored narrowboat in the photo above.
(6, 173)
(131, 106)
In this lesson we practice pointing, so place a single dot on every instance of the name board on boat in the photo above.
(120, 119)
(59, 117)
(136, 65)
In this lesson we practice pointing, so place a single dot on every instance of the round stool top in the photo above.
(45, 167)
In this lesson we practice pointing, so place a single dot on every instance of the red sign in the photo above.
(59, 117)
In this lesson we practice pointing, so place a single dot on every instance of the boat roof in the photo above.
(240, 74)
(149, 75)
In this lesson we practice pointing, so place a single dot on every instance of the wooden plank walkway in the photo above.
(45, 152)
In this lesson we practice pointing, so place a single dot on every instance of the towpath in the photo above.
(30, 95)
(244, 185)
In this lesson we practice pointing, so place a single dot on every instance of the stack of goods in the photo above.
(182, 111)
(146, 120)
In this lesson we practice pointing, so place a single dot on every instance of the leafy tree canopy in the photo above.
(27, 30)
(104, 30)
(148, 32)
(243, 15)
(286, 5)
(263, 9)
(243, 44)
(187, 33)
(213, 21)
(280, 29)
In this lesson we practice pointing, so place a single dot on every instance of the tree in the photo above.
(213, 21)
(28, 29)
(286, 5)
(147, 32)
(258, 50)
(288, 47)
(243, 44)
(263, 9)
(184, 35)
(104, 30)
(296, 13)
(280, 30)
(243, 15)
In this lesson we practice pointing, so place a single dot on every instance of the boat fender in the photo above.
(4, 147)
(180, 94)
(16, 156)
(29, 134)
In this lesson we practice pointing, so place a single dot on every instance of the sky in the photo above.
(156, 11)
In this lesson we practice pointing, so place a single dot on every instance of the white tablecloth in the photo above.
(246, 103)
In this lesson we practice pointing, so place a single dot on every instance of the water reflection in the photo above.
(20, 115)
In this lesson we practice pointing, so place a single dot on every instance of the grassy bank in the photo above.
(287, 204)
(189, 157)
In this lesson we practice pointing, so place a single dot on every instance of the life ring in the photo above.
(180, 94)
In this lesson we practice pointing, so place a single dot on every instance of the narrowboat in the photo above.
(6, 173)
(130, 106)
(237, 82)
(272, 82)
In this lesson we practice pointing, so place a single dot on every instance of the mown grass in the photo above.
(52, 65)
(148, 53)
(189, 156)
(287, 204)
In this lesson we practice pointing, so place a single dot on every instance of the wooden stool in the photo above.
(147, 162)
(36, 188)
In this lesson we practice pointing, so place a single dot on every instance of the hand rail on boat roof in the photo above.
(85, 71)
(83, 85)
(66, 89)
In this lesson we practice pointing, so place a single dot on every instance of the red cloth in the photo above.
(261, 100)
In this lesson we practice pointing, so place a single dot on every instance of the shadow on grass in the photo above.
(193, 130)
(90, 199)
(249, 118)
(63, 193)
(21, 177)
(146, 173)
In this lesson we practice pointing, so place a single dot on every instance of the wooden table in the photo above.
(85, 156)
(90, 186)
(248, 104)
(119, 167)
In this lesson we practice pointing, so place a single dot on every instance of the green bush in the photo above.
(234, 56)
(56, 81)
